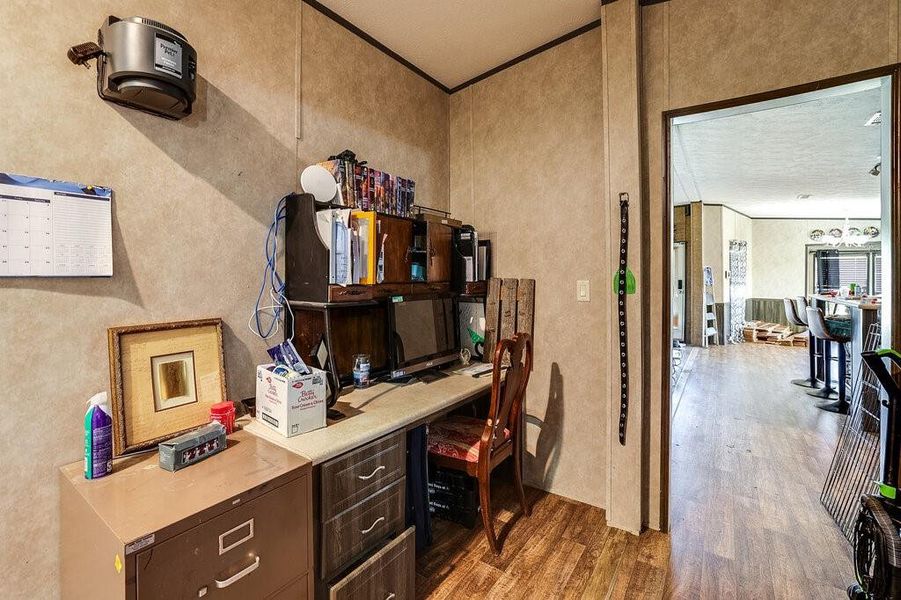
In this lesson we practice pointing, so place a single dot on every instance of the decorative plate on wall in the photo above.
(816, 235)
(871, 231)
(835, 232)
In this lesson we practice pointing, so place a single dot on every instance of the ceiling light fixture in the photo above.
(875, 171)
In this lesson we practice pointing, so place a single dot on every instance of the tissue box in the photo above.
(290, 407)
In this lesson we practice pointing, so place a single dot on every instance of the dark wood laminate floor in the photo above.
(749, 455)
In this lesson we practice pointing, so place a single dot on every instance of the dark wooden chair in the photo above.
(477, 446)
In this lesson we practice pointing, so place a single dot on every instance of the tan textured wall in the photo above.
(779, 265)
(354, 96)
(620, 38)
(721, 225)
(192, 203)
(527, 169)
(712, 248)
(694, 54)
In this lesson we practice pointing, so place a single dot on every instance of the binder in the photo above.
(365, 225)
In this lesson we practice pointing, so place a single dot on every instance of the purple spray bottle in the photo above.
(98, 437)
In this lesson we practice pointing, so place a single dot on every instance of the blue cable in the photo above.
(270, 275)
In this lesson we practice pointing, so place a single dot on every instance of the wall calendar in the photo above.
(54, 228)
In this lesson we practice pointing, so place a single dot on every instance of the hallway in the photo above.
(750, 454)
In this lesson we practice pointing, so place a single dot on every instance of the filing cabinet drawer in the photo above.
(349, 479)
(363, 527)
(388, 574)
(251, 551)
(296, 590)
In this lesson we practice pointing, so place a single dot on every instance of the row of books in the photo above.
(365, 188)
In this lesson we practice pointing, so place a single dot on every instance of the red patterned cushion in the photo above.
(458, 437)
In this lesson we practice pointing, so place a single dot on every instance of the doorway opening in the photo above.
(778, 205)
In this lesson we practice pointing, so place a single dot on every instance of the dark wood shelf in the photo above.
(325, 305)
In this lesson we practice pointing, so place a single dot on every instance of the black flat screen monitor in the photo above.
(423, 334)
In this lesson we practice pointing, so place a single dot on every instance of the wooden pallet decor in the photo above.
(761, 332)
(509, 309)
(492, 317)
(525, 305)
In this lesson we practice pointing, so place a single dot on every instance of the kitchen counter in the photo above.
(377, 411)
(849, 302)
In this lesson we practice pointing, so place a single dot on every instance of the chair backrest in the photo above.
(817, 323)
(791, 313)
(803, 305)
(507, 393)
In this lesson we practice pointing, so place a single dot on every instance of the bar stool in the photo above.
(817, 325)
(816, 347)
(794, 318)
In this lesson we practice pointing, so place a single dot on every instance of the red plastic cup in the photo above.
(224, 413)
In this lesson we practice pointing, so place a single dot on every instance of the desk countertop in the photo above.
(377, 411)
(853, 303)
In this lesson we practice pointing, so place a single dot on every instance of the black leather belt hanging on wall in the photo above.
(621, 300)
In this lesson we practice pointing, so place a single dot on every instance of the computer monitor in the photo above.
(423, 333)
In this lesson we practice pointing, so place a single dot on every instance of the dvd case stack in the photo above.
(367, 188)
(453, 496)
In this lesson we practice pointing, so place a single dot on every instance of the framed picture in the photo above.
(164, 377)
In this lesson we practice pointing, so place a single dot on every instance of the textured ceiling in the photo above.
(759, 162)
(456, 41)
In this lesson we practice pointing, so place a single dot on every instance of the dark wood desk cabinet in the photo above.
(364, 551)
(235, 526)
(440, 250)
(398, 247)
(406, 241)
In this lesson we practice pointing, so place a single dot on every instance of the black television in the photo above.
(423, 333)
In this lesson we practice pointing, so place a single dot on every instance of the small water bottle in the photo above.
(361, 371)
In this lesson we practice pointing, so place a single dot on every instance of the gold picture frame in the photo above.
(163, 377)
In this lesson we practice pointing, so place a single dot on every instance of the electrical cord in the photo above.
(264, 321)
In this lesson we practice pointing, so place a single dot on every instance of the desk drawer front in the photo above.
(349, 479)
(388, 574)
(363, 527)
(351, 293)
(250, 551)
(386, 290)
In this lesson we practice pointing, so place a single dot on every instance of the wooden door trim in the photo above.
(893, 71)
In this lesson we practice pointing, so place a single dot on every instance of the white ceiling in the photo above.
(759, 161)
(454, 41)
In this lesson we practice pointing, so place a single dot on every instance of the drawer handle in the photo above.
(225, 548)
(390, 596)
(240, 574)
(371, 527)
(371, 475)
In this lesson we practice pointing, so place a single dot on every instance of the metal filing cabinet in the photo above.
(237, 525)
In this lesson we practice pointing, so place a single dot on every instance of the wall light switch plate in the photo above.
(583, 290)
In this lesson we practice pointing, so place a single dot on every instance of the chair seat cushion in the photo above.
(839, 327)
(458, 437)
